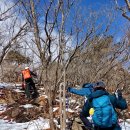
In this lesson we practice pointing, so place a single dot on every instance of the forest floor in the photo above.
(18, 113)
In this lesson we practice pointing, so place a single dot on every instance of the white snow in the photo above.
(70, 110)
(125, 126)
(77, 107)
(39, 124)
(9, 85)
(128, 120)
(45, 96)
(55, 108)
(73, 101)
(18, 90)
(5, 85)
(2, 107)
(27, 106)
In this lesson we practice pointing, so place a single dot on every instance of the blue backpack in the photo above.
(104, 114)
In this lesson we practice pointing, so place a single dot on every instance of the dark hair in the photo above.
(99, 88)
(100, 84)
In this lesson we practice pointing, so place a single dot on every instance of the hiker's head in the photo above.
(26, 68)
(99, 86)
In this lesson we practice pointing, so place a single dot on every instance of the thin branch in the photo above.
(12, 41)
(6, 17)
(126, 16)
(124, 13)
(128, 4)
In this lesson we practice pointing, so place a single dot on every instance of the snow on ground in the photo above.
(27, 106)
(8, 85)
(125, 126)
(39, 124)
(55, 108)
(4, 85)
(18, 90)
(70, 110)
(2, 107)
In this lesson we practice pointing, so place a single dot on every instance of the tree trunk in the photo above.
(51, 112)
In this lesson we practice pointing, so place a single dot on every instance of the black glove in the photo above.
(68, 89)
(89, 127)
(118, 94)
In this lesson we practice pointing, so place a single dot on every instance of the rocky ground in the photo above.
(15, 107)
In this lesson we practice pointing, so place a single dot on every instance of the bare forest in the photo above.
(65, 44)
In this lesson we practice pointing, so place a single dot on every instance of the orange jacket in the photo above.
(26, 74)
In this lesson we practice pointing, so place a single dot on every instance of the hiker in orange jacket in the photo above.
(30, 85)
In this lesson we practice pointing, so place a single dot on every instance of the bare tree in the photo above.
(9, 19)
(53, 36)
(69, 45)
(125, 10)
(12, 41)
(101, 60)
(12, 30)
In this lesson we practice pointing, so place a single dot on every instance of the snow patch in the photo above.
(70, 110)
(5, 85)
(27, 106)
(18, 90)
(2, 107)
(55, 108)
(39, 124)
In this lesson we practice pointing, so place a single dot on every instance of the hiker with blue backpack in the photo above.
(104, 115)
